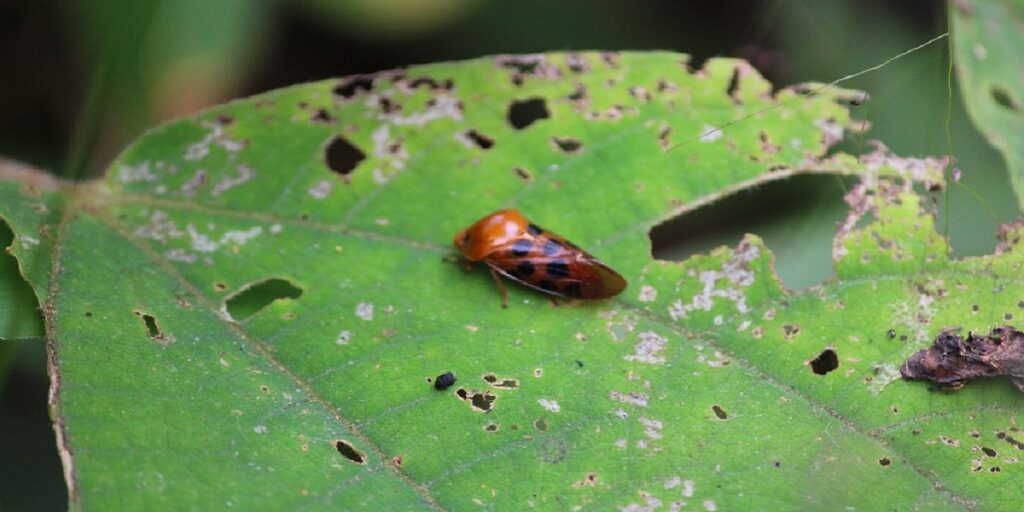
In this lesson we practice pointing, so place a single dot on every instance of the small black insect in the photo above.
(444, 381)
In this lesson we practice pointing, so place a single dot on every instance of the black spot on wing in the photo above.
(552, 248)
(558, 269)
(521, 248)
(534, 229)
(525, 268)
(547, 286)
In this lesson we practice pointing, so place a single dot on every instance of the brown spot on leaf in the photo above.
(719, 412)
(482, 141)
(588, 481)
(321, 116)
(567, 144)
(789, 331)
(952, 361)
(1004, 98)
(524, 174)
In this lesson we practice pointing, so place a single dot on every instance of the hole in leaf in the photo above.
(482, 141)
(491, 427)
(540, 425)
(884, 461)
(825, 362)
(341, 156)
(567, 145)
(250, 299)
(523, 113)
(989, 451)
(1003, 98)
(719, 412)
(349, 452)
(796, 218)
(354, 86)
(152, 327)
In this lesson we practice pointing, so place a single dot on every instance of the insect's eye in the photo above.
(465, 238)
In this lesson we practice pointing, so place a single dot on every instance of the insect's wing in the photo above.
(553, 265)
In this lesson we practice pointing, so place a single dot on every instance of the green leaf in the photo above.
(19, 316)
(706, 383)
(987, 42)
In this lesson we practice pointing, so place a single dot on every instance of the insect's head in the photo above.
(494, 230)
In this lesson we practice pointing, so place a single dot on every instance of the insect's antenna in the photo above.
(812, 91)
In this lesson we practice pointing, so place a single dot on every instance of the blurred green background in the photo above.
(85, 77)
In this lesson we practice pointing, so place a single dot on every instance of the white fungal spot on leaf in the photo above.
(673, 482)
(260, 429)
(647, 294)
(550, 405)
(189, 188)
(364, 310)
(141, 172)
(710, 133)
(980, 52)
(831, 131)
(633, 397)
(649, 349)
(652, 428)
(321, 189)
(689, 486)
(203, 243)
(180, 255)
(443, 106)
(200, 149)
(651, 504)
(343, 338)
(27, 242)
(245, 173)
(160, 228)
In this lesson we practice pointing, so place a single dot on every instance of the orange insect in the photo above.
(542, 260)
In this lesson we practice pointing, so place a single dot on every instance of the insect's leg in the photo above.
(458, 260)
(501, 288)
(554, 300)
